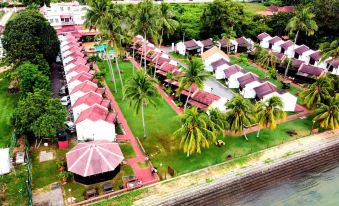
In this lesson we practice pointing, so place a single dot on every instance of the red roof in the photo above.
(248, 78)
(71, 44)
(334, 63)
(301, 49)
(96, 113)
(191, 44)
(316, 56)
(74, 49)
(82, 76)
(232, 70)
(265, 89)
(274, 40)
(311, 70)
(287, 44)
(242, 41)
(262, 36)
(86, 87)
(197, 104)
(79, 68)
(204, 97)
(95, 157)
(92, 98)
(207, 42)
(161, 60)
(168, 67)
(78, 61)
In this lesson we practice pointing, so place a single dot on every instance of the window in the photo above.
(56, 20)
(51, 21)
(62, 8)
(69, 8)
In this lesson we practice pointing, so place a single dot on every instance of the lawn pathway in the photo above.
(143, 174)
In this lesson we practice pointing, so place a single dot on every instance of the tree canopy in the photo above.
(28, 35)
(36, 2)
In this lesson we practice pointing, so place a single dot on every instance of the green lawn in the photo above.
(183, 59)
(253, 8)
(163, 121)
(293, 90)
(7, 106)
(127, 150)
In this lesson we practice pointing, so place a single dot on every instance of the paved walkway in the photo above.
(5, 18)
(143, 174)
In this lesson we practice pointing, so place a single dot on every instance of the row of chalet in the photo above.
(305, 61)
(92, 113)
(193, 47)
(168, 72)
(249, 84)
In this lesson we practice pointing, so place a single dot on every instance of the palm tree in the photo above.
(96, 16)
(140, 92)
(266, 59)
(240, 114)
(195, 74)
(327, 114)
(195, 131)
(318, 92)
(146, 22)
(330, 50)
(268, 112)
(218, 119)
(167, 24)
(303, 21)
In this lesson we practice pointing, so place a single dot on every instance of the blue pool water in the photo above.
(103, 47)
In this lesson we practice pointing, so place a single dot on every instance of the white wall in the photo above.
(213, 58)
(72, 85)
(99, 130)
(74, 97)
(264, 43)
(220, 104)
(69, 67)
(233, 80)
(181, 48)
(277, 46)
(288, 100)
(71, 75)
(289, 52)
(306, 56)
(248, 91)
(219, 72)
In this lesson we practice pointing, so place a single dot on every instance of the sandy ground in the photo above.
(187, 181)
(4, 68)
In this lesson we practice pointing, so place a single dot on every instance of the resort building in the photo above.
(83, 89)
(77, 70)
(247, 83)
(232, 74)
(212, 55)
(205, 44)
(228, 45)
(190, 47)
(78, 79)
(264, 39)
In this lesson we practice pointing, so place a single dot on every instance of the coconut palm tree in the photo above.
(330, 50)
(327, 114)
(146, 22)
(97, 13)
(240, 114)
(303, 21)
(318, 92)
(167, 24)
(195, 131)
(195, 74)
(268, 112)
(267, 59)
(140, 92)
(218, 119)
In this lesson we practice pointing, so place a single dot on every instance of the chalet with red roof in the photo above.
(78, 79)
(247, 84)
(232, 74)
(83, 89)
(77, 70)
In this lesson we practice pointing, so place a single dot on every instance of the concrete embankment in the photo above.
(233, 186)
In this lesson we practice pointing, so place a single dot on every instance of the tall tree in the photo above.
(141, 92)
(196, 131)
(194, 75)
(268, 112)
(327, 114)
(267, 59)
(27, 35)
(318, 92)
(240, 114)
(167, 24)
(97, 14)
(146, 22)
(303, 21)
(330, 50)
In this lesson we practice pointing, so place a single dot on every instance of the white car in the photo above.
(70, 126)
(65, 100)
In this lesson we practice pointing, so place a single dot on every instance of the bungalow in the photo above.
(72, 58)
(274, 44)
(188, 47)
(74, 63)
(298, 51)
(78, 79)
(69, 46)
(77, 70)
(287, 48)
(96, 123)
(308, 73)
(264, 39)
(218, 68)
(205, 44)
(212, 55)
(334, 66)
(315, 60)
(228, 45)
(267, 90)
(83, 89)
(72, 53)
(205, 100)
(243, 44)
(247, 84)
(281, 57)
(88, 100)
(232, 74)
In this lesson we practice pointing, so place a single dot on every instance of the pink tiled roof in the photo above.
(232, 70)
(168, 67)
(87, 86)
(248, 78)
(82, 76)
(242, 41)
(334, 63)
(287, 44)
(265, 89)
(274, 40)
(301, 49)
(161, 60)
(95, 157)
(262, 36)
(316, 55)
(90, 99)
(204, 97)
(219, 63)
(207, 42)
(96, 113)
(191, 44)
(79, 68)
(311, 70)
(78, 61)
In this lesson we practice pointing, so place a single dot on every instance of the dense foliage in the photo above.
(28, 35)
(36, 2)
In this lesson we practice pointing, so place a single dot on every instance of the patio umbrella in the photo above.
(95, 157)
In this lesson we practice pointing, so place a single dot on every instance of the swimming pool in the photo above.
(102, 48)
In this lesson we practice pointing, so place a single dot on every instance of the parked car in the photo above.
(70, 126)
(63, 91)
(65, 100)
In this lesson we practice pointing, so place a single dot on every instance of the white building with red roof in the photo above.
(83, 89)
(88, 100)
(264, 39)
(96, 123)
(78, 79)
(77, 70)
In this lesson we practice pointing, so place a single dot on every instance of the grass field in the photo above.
(162, 121)
(7, 106)
(252, 8)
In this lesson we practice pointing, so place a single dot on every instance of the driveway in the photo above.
(57, 79)
(218, 89)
